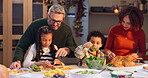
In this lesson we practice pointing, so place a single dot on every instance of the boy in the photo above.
(95, 40)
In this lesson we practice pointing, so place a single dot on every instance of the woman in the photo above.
(127, 38)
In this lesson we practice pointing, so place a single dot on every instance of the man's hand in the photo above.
(15, 65)
(62, 52)
(43, 63)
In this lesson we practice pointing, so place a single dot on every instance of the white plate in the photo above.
(133, 68)
(142, 70)
(18, 74)
(73, 73)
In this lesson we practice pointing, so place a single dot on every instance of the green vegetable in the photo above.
(94, 62)
(94, 48)
(86, 72)
(35, 68)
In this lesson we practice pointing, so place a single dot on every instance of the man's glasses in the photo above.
(52, 21)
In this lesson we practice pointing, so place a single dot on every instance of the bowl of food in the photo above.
(120, 74)
(145, 62)
(95, 62)
(84, 73)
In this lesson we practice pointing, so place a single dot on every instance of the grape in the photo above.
(56, 76)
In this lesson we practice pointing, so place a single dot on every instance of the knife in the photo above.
(58, 57)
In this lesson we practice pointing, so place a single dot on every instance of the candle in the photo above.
(116, 11)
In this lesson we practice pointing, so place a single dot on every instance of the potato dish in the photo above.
(54, 72)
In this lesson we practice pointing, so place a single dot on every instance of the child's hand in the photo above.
(88, 45)
(15, 65)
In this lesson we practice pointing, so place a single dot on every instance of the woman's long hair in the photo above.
(43, 30)
(135, 17)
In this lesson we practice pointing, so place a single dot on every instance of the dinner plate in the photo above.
(17, 75)
(146, 70)
(142, 70)
(66, 69)
(133, 68)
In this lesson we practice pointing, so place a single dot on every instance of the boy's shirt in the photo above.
(82, 52)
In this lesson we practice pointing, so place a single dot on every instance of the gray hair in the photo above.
(56, 8)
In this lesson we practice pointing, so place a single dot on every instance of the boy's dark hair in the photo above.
(43, 30)
(96, 34)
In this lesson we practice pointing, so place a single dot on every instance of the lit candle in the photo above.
(116, 11)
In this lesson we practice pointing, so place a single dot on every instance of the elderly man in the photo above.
(63, 37)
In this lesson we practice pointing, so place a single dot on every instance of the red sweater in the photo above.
(123, 42)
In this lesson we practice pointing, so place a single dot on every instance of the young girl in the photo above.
(95, 40)
(43, 52)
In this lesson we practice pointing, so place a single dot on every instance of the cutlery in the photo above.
(58, 57)
(103, 70)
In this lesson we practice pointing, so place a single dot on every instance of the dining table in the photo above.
(105, 73)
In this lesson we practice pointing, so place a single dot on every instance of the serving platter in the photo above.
(133, 68)
(64, 68)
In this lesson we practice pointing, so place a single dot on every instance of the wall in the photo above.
(70, 20)
(145, 26)
(108, 3)
(100, 22)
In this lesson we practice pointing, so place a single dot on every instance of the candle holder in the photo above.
(116, 11)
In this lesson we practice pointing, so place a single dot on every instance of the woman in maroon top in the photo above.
(127, 38)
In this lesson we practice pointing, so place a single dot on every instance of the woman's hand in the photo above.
(135, 55)
(111, 55)
(15, 65)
